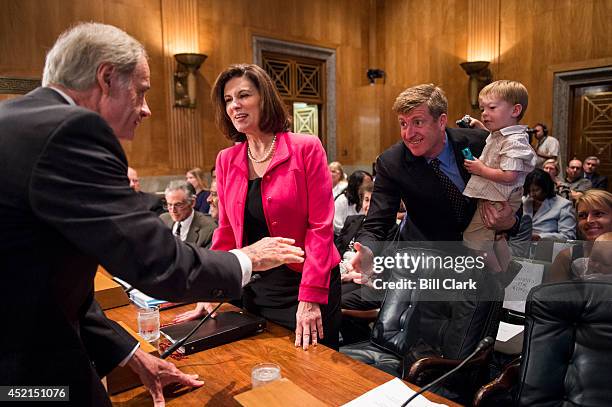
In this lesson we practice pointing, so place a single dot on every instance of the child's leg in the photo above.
(478, 237)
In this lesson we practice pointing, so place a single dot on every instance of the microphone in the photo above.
(180, 342)
(483, 344)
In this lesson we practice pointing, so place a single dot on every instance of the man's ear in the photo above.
(516, 110)
(104, 74)
(443, 121)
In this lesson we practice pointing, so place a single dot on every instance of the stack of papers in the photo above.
(392, 394)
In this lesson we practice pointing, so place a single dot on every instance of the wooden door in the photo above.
(590, 125)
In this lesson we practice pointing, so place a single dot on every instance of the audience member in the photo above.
(499, 174)
(213, 201)
(275, 182)
(348, 203)
(552, 168)
(186, 223)
(339, 182)
(590, 172)
(152, 201)
(594, 213)
(66, 197)
(552, 216)
(547, 147)
(575, 184)
(195, 177)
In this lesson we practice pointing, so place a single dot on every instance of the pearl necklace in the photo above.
(266, 156)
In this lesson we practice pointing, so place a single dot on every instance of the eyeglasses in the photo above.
(178, 206)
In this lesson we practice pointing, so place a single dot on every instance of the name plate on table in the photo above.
(226, 327)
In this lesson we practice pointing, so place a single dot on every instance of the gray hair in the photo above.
(180, 186)
(592, 158)
(78, 52)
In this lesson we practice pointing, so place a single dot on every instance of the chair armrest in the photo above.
(444, 365)
(502, 383)
(370, 314)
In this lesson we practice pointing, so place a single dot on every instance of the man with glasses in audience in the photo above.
(187, 224)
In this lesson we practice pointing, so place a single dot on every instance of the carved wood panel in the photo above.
(306, 120)
(591, 125)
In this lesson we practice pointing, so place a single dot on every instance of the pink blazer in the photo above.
(297, 201)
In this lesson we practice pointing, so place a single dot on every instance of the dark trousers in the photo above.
(283, 311)
(357, 297)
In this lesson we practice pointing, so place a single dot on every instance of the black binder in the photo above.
(226, 327)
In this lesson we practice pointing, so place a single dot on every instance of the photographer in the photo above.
(547, 147)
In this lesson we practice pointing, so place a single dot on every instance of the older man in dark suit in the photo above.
(186, 223)
(66, 206)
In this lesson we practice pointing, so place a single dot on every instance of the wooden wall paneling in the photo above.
(424, 43)
(180, 34)
(534, 36)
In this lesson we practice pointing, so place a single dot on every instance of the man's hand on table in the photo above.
(156, 373)
(271, 252)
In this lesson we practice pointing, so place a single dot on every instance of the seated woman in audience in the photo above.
(338, 178)
(276, 183)
(348, 202)
(195, 177)
(552, 216)
(594, 212)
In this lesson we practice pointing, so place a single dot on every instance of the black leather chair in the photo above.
(420, 334)
(567, 351)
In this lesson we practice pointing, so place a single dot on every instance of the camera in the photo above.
(464, 122)
(531, 132)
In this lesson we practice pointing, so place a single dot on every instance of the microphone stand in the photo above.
(484, 344)
(180, 342)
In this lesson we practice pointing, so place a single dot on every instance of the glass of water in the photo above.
(148, 323)
(264, 373)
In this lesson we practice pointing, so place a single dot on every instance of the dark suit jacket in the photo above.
(400, 175)
(153, 202)
(201, 229)
(599, 181)
(65, 207)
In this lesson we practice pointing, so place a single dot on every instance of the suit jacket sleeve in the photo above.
(384, 204)
(107, 343)
(79, 187)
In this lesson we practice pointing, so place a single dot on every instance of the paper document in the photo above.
(391, 394)
(508, 331)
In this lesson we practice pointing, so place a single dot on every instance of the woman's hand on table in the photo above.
(309, 324)
(201, 309)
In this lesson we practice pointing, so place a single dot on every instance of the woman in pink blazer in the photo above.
(276, 183)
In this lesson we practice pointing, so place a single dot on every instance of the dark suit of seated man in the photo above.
(66, 207)
(186, 223)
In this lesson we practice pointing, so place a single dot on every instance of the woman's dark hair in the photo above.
(274, 116)
(542, 179)
(352, 190)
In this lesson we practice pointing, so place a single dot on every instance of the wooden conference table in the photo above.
(326, 374)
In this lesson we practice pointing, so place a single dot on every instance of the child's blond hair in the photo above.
(512, 92)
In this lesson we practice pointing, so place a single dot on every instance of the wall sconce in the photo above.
(185, 80)
(480, 76)
(374, 74)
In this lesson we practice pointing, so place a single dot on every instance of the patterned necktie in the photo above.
(178, 230)
(455, 196)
